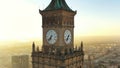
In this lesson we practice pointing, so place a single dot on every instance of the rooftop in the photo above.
(58, 4)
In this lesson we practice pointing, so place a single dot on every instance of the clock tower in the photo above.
(58, 39)
(58, 26)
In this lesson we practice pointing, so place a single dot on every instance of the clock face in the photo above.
(51, 36)
(67, 36)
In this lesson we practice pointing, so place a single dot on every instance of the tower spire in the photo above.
(33, 47)
(81, 45)
(37, 48)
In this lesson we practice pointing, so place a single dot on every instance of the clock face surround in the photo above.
(51, 36)
(67, 36)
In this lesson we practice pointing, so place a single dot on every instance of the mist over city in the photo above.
(60, 34)
(100, 49)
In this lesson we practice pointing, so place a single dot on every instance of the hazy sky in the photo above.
(20, 19)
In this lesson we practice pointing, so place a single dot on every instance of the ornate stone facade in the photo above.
(74, 58)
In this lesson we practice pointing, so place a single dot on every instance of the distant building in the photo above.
(21, 61)
(107, 64)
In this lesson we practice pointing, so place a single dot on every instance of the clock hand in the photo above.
(50, 38)
(67, 38)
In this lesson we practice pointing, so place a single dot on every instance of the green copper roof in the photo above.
(58, 4)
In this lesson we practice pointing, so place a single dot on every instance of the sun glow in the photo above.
(20, 20)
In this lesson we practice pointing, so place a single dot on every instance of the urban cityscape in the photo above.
(98, 54)
(62, 40)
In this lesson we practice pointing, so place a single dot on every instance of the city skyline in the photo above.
(20, 20)
(94, 42)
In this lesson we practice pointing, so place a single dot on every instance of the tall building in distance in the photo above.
(58, 50)
(21, 61)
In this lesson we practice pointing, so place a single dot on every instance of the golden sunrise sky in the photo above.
(20, 19)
